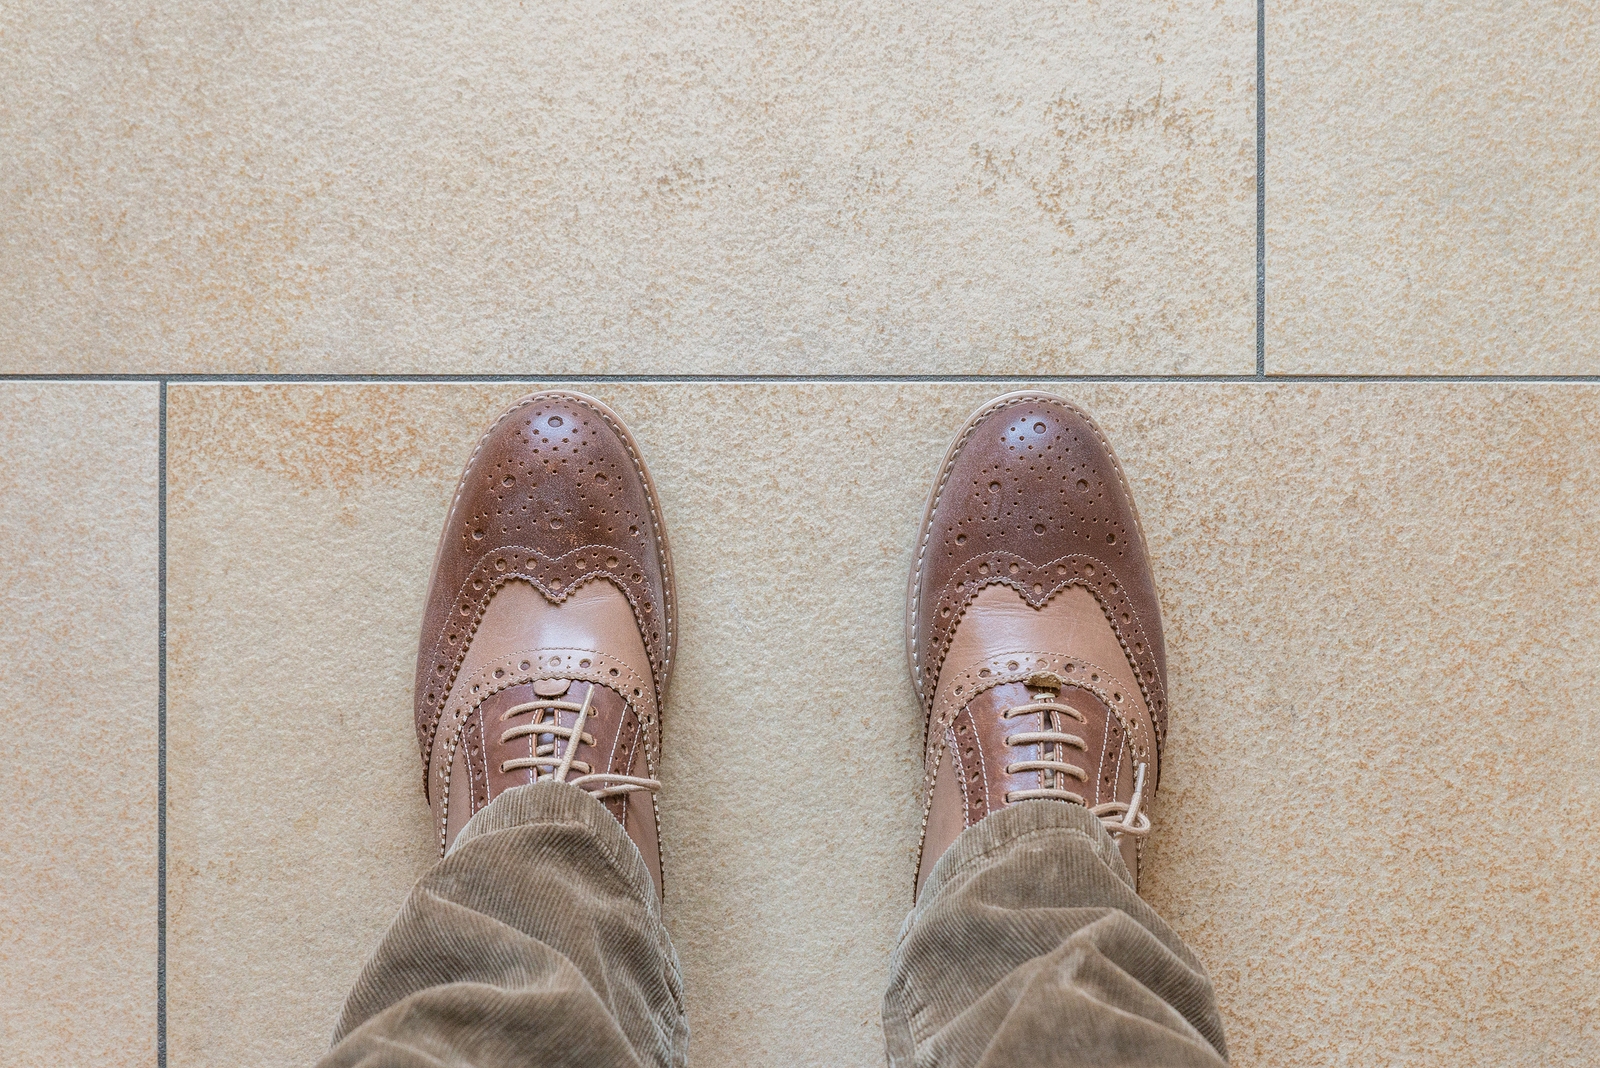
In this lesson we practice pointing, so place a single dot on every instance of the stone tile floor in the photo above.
(793, 247)
(79, 701)
(629, 188)
(1435, 208)
(1380, 825)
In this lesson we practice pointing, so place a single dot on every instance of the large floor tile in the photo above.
(1383, 832)
(1379, 820)
(832, 186)
(78, 710)
(1433, 205)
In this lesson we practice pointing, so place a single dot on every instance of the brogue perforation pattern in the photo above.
(552, 449)
(1031, 496)
(967, 760)
(1038, 583)
(556, 580)
(1019, 667)
(555, 494)
(1048, 482)
(640, 723)
(952, 721)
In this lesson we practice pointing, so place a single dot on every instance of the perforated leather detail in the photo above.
(972, 728)
(556, 579)
(556, 494)
(1031, 496)
(1068, 672)
(969, 765)
(472, 737)
(1038, 584)
(531, 485)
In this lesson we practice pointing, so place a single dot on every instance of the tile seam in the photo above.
(164, 380)
(1261, 188)
(161, 728)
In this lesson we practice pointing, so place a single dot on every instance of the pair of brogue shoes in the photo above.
(1033, 628)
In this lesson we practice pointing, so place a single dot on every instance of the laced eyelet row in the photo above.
(1120, 818)
(547, 766)
(1045, 706)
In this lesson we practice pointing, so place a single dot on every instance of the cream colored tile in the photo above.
(1378, 823)
(1433, 205)
(829, 186)
(1382, 826)
(78, 707)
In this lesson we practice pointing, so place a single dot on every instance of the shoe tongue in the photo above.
(1064, 692)
(551, 687)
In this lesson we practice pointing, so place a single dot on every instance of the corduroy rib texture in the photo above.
(1030, 947)
(537, 940)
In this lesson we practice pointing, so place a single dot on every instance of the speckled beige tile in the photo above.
(1433, 202)
(78, 707)
(1379, 822)
(830, 186)
(1382, 830)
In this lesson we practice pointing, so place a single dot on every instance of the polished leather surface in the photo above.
(552, 579)
(1032, 585)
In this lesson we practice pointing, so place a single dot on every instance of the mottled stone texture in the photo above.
(826, 186)
(78, 711)
(1383, 826)
(1379, 821)
(1433, 203)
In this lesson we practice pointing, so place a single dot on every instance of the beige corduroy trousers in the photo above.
(538, 941)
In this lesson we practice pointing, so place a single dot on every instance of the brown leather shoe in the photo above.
(1033, 628)
(548, 636)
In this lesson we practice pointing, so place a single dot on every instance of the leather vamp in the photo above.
(1116, 733)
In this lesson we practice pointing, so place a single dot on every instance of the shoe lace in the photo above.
(1120, 817)
(547, 765)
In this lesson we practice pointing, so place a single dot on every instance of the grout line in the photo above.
(161, 731)
(1256, 377)
(1261, 188)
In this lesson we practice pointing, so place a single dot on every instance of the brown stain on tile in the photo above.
(334, 437)
(1120, 183)
(251, 274)
(1173, 146)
